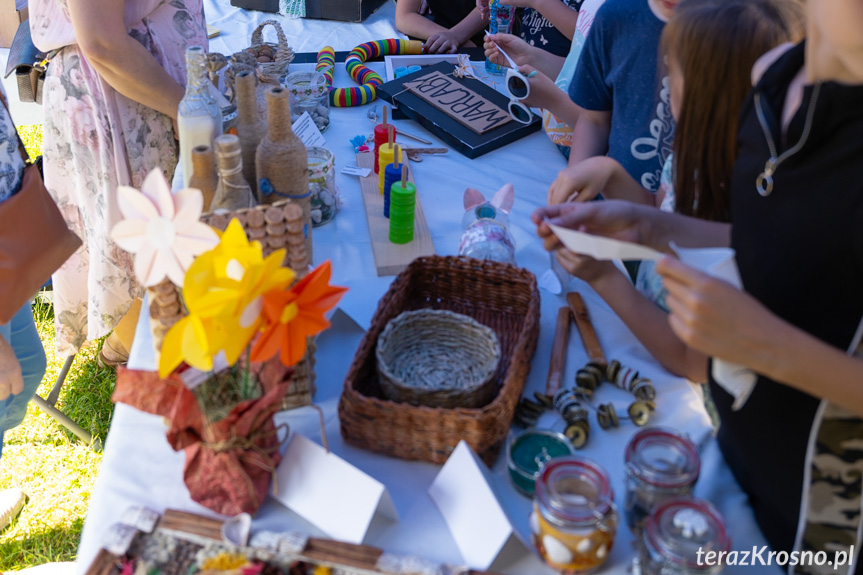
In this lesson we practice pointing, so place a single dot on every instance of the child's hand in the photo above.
(714, 317)
(442, 43)
(518, 49)
(581, 182)
(482, 6)
(611, 218)
(544, 93)
(585, 267)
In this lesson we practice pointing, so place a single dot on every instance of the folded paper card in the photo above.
(329, 492)
(736, 379)
(463, 493)
(602, 248)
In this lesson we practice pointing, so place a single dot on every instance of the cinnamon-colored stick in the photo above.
(558, 352)
(585, 328)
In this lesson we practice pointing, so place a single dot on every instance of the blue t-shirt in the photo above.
(537, 31)
(618, 72)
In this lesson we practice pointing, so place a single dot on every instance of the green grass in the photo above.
(32, 138)
(50, 464)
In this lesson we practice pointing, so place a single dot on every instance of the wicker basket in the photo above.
(500, 296)
(284, 55)
(280, 226)
(437, 358)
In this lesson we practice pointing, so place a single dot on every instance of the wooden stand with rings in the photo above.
(390, 258)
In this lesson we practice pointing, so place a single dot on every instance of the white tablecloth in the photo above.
(139, 468)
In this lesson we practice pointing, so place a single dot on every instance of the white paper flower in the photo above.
(162, 229)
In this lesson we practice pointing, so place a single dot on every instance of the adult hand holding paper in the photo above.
(736, 379)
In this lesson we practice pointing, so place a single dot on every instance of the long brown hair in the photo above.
(715, 44)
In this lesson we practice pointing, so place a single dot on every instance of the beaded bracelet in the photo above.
(369, 81)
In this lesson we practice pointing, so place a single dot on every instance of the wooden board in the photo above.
(459, 102)
(390, 258)
(458, 136)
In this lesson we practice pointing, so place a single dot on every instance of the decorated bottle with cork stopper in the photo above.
(282, 163)
(382, 136)
(204, 174)
(233, 192)
(250, 128)
(199, 119)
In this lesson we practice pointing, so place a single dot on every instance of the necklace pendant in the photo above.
(764, 183)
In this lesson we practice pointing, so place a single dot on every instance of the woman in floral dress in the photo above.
(111, 97)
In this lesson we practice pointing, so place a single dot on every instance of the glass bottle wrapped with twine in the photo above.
(282, 163)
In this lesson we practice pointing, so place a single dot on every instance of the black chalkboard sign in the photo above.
(458, 136)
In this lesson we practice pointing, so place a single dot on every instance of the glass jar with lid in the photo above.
(683, 536)
(660, 463)
(323, 196)
(574, 518)
(309, 93)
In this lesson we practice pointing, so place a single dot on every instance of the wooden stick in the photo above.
(384, 115)
(396, 153)
(391, 136)
(585, 328)
(558, 352)
(404, 177)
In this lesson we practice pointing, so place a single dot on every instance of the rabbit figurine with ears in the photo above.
(485, 235)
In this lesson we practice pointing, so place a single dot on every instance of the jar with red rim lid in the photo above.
(660, 463)
(684, 536)
(574, 518)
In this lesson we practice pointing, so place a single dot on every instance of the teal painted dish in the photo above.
(528, 452)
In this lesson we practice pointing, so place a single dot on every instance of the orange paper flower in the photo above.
(297, 313)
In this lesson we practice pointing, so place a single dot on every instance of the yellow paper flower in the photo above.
(223, 291)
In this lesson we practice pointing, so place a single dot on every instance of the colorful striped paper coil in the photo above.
(369, 81)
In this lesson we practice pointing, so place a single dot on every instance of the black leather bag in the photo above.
(28, 63)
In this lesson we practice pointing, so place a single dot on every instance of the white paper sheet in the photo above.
(736, 379)
(464, 495)
(308, 132)
(329, 492)
(603, 248)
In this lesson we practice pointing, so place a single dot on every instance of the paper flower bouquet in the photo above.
(227, 339)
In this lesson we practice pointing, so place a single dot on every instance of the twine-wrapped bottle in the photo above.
(199, 119)
(281, 161)
(233, 192)
(204, 174)
(250, 128)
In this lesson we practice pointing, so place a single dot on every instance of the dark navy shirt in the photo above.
(618, 73)
(537, 31)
